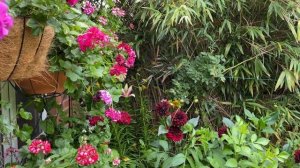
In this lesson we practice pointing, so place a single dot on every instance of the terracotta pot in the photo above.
(23, 55)
(47, 83)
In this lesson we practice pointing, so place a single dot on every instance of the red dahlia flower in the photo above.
(162, 108)
(38, 146)
(175, 134)
(222, 130)
(179, 118)
(125, 118)
(86, 155)
(95, 119)
(297, 156)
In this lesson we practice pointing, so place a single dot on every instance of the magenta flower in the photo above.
(102, 20)
(105, 97)
(118, 12)
(88, 8)
(118, 70)
(113, 114)
(72, 2)
(120, 59)
(6, 21)
(116, 162)
(92, 38)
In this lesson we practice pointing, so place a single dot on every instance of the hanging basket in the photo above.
(23, 55)
(47, 83)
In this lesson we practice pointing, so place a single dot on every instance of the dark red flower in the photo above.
(125, 118)
(162, 108)
(95, 119)
(297, 156)
(120, 59)
(179, 118)
(222, 130)
(117, 70)
(174, 134)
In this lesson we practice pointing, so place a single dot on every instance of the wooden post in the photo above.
(8, 95)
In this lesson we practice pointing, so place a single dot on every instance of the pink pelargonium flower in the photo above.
(113, 114)
(72, 2)
(92, 38)
(102, 20)
(118, 12)
(105, 97)
(116, 162)
(87, 155)
(6, 21)
(38, 146)
(88, 8)
(118, 70)
(120, 59)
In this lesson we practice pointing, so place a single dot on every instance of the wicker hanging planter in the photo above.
(47, 83)
(23, 55)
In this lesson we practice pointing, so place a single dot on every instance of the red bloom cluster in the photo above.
(222, 130)
(179, 118)
(122, 64)
(95, 119)
(72, 2)
(86, 155)
(297, 156)
(121, 117)
(38, 146)
(162, 108)
(92, 38)
(125, 118)
(174, 134)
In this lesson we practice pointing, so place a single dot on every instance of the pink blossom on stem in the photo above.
(102, 20)
(118, 70)
(6, 21)
(118, 12)
(87, 155)
(116, 162)
(113, 114)
(88, 8)
(38, 146)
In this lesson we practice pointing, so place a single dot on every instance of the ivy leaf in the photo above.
(25, 115)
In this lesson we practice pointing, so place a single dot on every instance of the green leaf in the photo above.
(174, 161)
(228, 122)
(231, 163)
(262, 141)
(48, 126)
(164, 145)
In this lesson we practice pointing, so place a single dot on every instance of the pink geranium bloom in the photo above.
(118, 70)
(88, 8)
(120, 59)
(92, 38)
(38, 146)
(87, 155)
(72, 2)
(6, 21)
(118, 12)
(116, 162)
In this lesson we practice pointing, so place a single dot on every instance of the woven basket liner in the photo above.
(23, 55)
(46, 83)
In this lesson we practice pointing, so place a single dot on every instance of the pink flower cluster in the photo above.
(116, 162)
(118, 12)
(72, 2)
(104, 96)
(102, 20)
(38, 146)
(92, 38)
(122, 117)
(88, 8)
(87, 155)
(6, 21)
(121, 66)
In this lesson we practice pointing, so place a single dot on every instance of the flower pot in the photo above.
(23, 55)
(46, 83)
